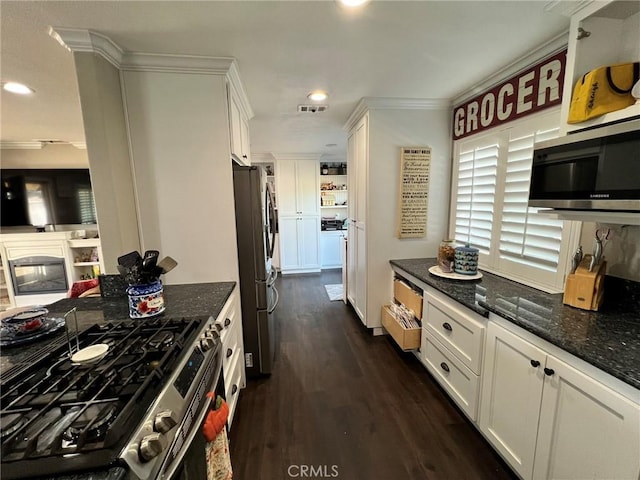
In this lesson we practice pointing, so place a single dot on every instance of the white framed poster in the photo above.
(414, 192)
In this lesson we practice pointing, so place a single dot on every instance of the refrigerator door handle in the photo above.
(273, 275)
(275, 304)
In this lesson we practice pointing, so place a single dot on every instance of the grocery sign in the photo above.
(532, 90)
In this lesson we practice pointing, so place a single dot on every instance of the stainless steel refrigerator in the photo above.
(255, 227)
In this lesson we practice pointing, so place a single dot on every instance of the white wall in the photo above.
(621, 251)
(389, 130)
(108, 153)
(178, 126)
(49, 156)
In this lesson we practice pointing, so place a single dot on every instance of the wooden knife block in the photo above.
(584, 289)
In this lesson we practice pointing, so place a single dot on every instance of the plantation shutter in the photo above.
(526, 236)
(87, 206)
(475, 196)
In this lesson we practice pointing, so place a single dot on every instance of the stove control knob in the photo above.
(206, 343)
(219, 326)
(151, 446)
(164, 421)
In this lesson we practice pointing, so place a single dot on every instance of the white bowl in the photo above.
(91, 354)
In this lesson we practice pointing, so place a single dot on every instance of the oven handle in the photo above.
(196, 426)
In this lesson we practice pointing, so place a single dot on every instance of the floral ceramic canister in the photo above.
(146, 300)
(466, 260)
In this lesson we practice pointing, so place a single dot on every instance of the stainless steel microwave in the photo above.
(595, 169)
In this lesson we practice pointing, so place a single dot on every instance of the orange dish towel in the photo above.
(217, 448)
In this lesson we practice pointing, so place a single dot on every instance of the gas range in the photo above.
(137, 407)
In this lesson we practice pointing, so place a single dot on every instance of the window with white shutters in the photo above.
(490, 211)
(87, 205)
(477, 169)
(525, 235)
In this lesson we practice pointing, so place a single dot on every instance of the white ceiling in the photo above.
(415, 49)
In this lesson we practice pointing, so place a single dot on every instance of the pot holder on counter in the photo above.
(217, 448)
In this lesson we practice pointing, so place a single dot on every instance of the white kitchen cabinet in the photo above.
(330, 248)
(229, 326)
(239, 127)
(613, 28)
(358, 159)
(299, 215)
(549, 419)
(377, 130)
(451, 349)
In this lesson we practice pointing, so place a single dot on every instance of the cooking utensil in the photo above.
(167, 264)
(597, 247)
(149, 260)
(130, 259)
(577, 258)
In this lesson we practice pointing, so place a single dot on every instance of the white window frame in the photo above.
(545, 280)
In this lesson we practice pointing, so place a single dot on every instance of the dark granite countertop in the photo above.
(182, 301)
(608, 339)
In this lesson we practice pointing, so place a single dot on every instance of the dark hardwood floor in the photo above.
(348, 404)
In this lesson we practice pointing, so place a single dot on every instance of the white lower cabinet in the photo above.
(452, 341)
(299, 244)
(330, 248)
(229, 326)
(459, 382)
(551, 421)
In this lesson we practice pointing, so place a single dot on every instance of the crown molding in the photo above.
(34, 145)
(296, 156)
(82, 40)
(547, 49)
(262, 157)
(233, 76)
(392, 103)
(566, 7)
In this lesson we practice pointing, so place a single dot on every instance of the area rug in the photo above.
(334, 291)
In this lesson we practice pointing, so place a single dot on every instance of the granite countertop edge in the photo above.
(627, 371)
(188, 301)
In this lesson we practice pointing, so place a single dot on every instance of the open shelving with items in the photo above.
(602, 33)
(86, 258)
(402, 319)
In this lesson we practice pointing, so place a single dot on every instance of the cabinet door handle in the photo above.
(244, 156)
(227, 322)
(445, 367)
(548, 371)
(234, 389)
(447, 326)
(229, 352)
(535, 363)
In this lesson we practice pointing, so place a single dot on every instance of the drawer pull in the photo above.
(229, 352)
(535, 363)
(445, 367)
(227, 322)
(549, 371)
(234, 389)
(446, 326)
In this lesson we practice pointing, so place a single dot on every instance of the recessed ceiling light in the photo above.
(19, 88)
(352, 3)
(318, 96)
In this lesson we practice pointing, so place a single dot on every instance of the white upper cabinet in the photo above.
(239, 127)
(602, 33)
(298, 187)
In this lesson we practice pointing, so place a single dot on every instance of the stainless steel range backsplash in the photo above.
(621, 250)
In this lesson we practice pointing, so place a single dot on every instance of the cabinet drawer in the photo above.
(408, 297)
(230, 351)
(406, 338)
(459, 332)
(232, 386)
(460, 382)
